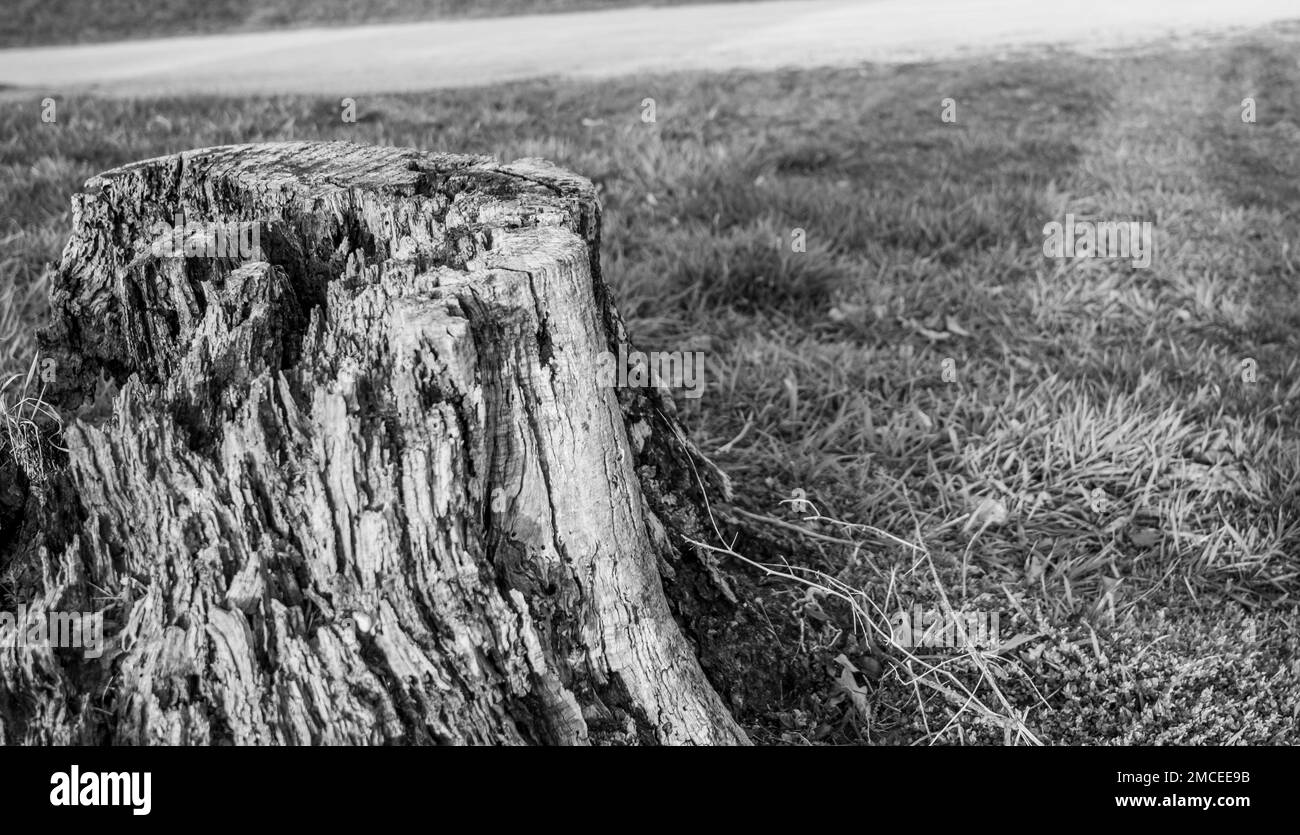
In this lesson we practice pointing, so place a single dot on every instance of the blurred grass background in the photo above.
(44, 22)
(1148, 560)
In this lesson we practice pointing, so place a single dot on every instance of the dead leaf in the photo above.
(989, 512)
(811, 606)
(848, 685)
(1144, 537)
(1019, 640)
(951, 324)
(931, 335)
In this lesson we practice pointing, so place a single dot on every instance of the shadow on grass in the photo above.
(882, 179)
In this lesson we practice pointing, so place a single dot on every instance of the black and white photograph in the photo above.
(904, 379)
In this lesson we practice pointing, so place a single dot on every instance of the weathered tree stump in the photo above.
(363, 487)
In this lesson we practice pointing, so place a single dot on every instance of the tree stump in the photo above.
(362, 485)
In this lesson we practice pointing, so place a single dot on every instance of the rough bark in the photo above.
(366, 489)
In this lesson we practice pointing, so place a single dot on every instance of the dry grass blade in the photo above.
(874, 621)
(29, 426)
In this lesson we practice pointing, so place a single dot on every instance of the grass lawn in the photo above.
(1142, 498)
(43, 22)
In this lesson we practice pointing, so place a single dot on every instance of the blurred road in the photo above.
(758, 35)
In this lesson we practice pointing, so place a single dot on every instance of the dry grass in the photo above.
(1099, 472)
(29, 427)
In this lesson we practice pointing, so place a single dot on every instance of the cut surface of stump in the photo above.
(361, 485)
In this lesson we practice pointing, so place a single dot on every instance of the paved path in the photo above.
(758, 35)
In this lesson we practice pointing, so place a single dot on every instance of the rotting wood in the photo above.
(367, 489)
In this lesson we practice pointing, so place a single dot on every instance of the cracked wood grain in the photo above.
(366, 490)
